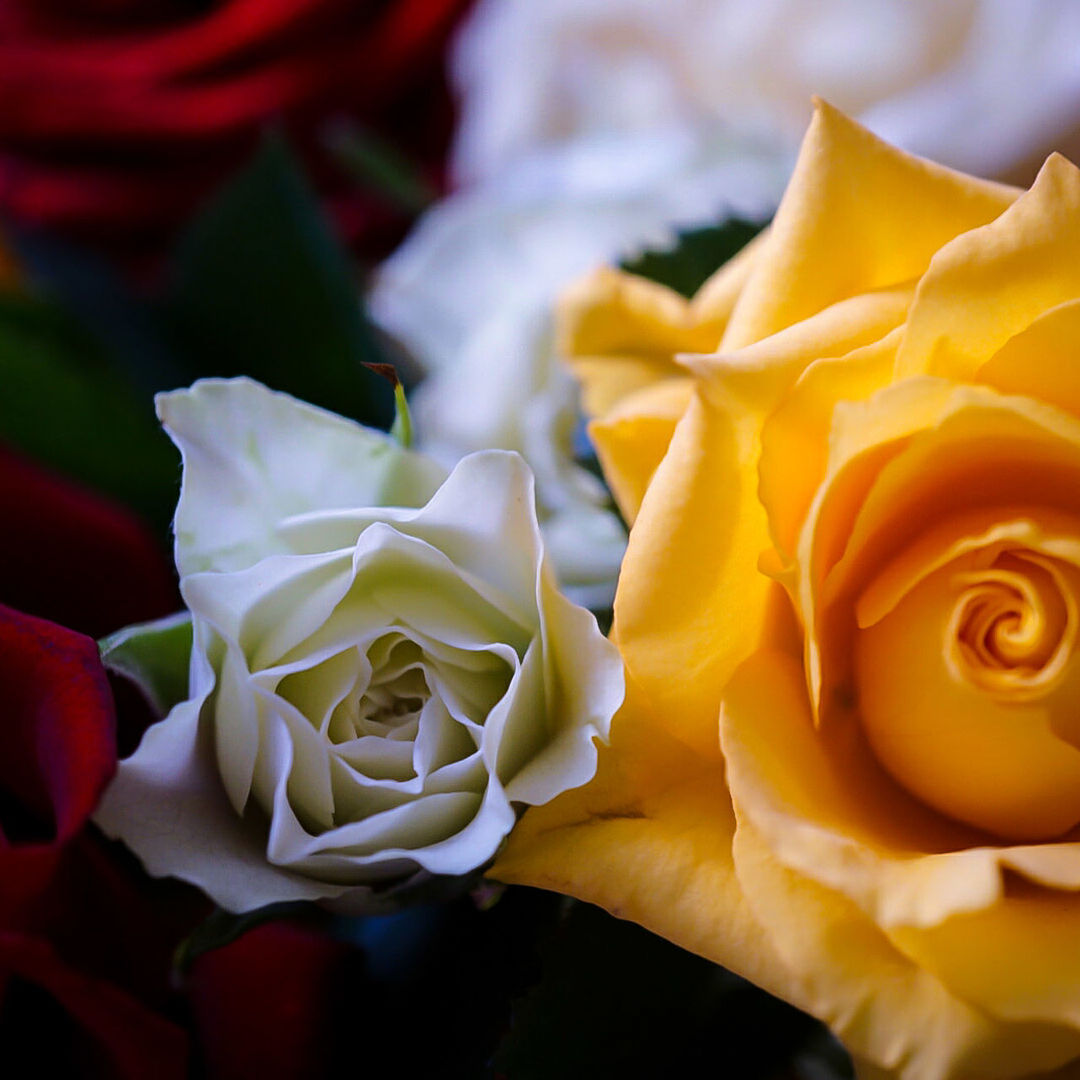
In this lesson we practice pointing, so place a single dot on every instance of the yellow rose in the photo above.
(848, 765)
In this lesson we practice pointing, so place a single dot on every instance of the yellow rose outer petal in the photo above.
(1016, 960)
(689, 600)
(887, 1009)
(1042, 361)
(619, 333)
(649, 839)
(827, 810)
(690, 606)
(632, 439)
(858, 215)
(894, 1010)
(991, 283)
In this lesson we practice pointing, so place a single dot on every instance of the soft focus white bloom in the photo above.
(591, 128)
(981, 85)
(472, 293)
(382, 666)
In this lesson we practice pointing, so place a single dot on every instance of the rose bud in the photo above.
(383, 668)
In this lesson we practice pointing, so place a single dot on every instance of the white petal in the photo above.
(167, 804)
(273, 605)
(482, 520)
(585, 686)
(253, 456)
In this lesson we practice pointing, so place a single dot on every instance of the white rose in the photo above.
(472, 293)
(982, 85)
(382, 666)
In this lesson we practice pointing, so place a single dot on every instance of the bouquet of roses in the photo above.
(634, 630)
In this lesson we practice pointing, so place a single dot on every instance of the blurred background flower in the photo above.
(987, 86)
(590, 129)
(118, 116)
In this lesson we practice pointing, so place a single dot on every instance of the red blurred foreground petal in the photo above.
(136, 1042)
(74, 557)
(264, 1004)
(57, 733)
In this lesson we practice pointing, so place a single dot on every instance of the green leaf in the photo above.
(697, 254)
(615, 1000)
(92, 293)
(155, 656)
(264, 288)
(65, 404)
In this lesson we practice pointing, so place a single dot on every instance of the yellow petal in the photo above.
(858, 215)
(1042, 361)
(619, 332)
(911, 455)
(827, 810)
(1018, 779)
(690, 597)
(893, 1014)
(991, 283)
(649, 839)
(1019, 960)
(775, 362)
(690, 603)
(936, 449)
(632, 439)
(795, 439)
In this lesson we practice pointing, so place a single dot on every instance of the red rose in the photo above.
(116, 116)
(272, 1004)
(85, 942)
(72, 993)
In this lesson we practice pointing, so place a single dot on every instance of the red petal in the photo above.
(137, 1042)
(264, 1004)
(74, 557)
(57, 741)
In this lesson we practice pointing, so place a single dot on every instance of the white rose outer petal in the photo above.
(371, 689)
(252, 457)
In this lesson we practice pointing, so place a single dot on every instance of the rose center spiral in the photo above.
(389, 702)
(1013, 626)
(968, 683)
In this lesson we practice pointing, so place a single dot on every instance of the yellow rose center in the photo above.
(968, 687)
(1013, 627)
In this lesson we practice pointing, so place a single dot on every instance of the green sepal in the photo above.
(402, 427)
(156, 656)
